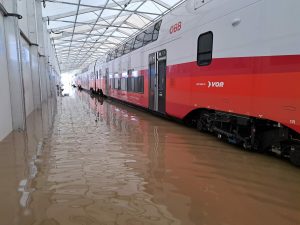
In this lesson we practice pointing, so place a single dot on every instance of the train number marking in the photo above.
(176, 27)
(293, 122)
(216, 84)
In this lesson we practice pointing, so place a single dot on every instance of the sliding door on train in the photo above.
(157, 81)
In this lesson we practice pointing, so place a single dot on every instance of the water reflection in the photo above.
(20, 155)
(107, 163)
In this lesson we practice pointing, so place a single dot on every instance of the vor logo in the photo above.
(216, 84)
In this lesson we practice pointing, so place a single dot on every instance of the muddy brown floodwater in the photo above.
(109, 164)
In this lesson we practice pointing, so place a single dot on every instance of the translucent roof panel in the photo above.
(83, 31)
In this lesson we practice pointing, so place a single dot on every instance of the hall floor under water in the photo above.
(109, 164)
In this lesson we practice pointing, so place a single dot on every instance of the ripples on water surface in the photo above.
(110, 164)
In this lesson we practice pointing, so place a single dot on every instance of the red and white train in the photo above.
(229, 67)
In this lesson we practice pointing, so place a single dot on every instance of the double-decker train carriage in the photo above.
(229, 67)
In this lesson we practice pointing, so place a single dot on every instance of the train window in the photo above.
(132, 84)
(129, 86)
(123, 84)
(106, 72)
(127, 46)
(120, 51)
(144, 38)
(148, 35)
(129, 81)
(140, 84)
(205, 47)
(135, 84)
(115, 53)
(112, 83)
(156, 31)
(138, 41)
(108, 57)
(116, 83)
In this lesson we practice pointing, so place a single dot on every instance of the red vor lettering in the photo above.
(176, 27)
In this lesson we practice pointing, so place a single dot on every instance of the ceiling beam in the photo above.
(68, 34)
(78, 5)
(111, 23)
(103, 7)
(163, 4)
(86, 10)
(94, 25)
(89, 22)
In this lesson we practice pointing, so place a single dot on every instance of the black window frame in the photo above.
(129, 88)
(129, 84)
(131, 45)
(108, 58)
(205, 52)
(140, 83)
(148, 35)
(138, 41)
(128, 46)
(119, 50)
(156, 30)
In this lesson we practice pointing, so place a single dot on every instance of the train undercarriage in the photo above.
(251, 133)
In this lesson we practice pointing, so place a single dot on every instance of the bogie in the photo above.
(251, 133)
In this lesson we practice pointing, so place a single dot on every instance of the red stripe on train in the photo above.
(266, 87)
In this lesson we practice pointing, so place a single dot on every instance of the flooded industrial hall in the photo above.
(149, 112)
(105, 163)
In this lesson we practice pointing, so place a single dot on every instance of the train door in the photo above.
(157, 81)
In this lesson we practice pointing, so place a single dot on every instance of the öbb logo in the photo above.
(216, 84)
(176, 27)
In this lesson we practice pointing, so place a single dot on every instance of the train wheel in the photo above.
(200, 125)
(295, 155)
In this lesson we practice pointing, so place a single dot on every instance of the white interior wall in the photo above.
(22, 10)
(27, 63)
(8, 6)
(5, 109)
(27, 78)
